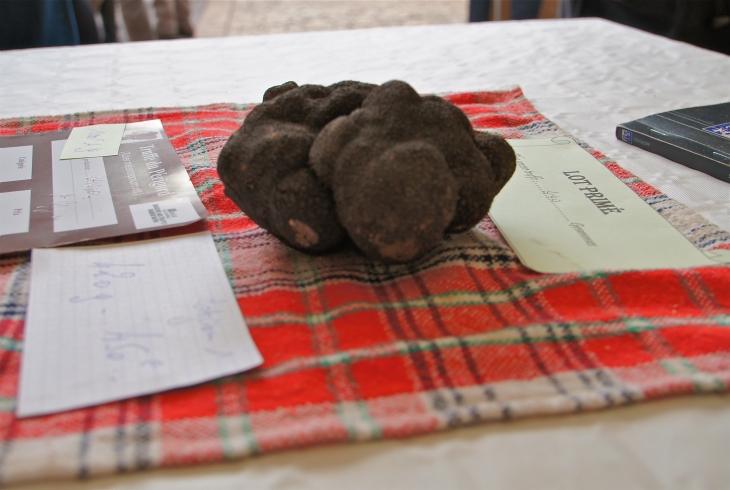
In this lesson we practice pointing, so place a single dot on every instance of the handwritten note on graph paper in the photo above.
(116, 321)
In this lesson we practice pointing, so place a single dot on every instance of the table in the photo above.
(586, 75)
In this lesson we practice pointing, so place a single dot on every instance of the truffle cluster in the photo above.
(380, 165)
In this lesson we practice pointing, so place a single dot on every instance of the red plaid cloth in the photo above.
(356, 350)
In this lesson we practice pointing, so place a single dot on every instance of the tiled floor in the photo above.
(246, 17)
(215, 18)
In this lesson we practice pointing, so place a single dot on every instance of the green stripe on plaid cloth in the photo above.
(356, 350)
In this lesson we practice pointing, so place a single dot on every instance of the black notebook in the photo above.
(698, 137)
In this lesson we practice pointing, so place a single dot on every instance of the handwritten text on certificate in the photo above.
(563, 211)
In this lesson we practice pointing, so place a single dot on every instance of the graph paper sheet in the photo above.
(117, 321)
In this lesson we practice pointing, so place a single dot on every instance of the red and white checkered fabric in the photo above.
(356, 350)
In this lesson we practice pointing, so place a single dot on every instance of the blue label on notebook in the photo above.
(626, 135)
(720, 129)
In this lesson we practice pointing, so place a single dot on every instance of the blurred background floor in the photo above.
(245, 17)
(217, 18)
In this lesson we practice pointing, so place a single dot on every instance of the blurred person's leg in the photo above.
(106, 10)
(85, 22)
(183, 18)
(20, 24)
(166, 19)
(108, 16)
(58, 23)
(136, 20)
(652, 16)
(479, 10)
(37, 23)
(691, 21)
(525, 9)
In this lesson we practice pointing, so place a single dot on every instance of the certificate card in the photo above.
(47, 201)
(562, 211)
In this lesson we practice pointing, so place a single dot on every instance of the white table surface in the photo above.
(587, 76)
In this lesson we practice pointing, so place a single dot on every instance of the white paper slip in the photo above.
(16, 163)
(116, 321)
(81, 194)
(171, 211)
(99, 140)
(563, 211)
(14, 212)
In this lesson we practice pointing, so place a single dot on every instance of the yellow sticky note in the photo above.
(100, 140)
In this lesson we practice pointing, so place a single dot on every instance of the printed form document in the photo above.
(91, 182)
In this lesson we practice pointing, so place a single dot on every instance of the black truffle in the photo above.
(264, 165)
(390, 169)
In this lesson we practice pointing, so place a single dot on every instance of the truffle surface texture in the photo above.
(378, 165)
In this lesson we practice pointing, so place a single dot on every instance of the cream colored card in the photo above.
(563, 211)
(100, 140)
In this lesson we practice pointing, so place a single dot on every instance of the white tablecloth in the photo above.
(587, 76)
